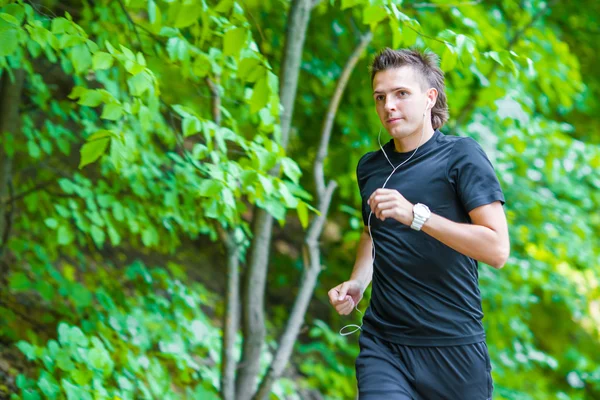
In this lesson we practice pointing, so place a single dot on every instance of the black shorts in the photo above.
(395, 372)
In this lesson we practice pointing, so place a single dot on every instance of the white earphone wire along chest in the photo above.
(394, 169)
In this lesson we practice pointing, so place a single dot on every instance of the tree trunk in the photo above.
(10, 99)
(311, 250)
(231, 317)
(253, 317)
(254, 286)
(292, 57)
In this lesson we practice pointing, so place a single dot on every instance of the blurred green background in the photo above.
(142, 141)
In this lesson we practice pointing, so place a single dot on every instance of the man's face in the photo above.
(399, 101)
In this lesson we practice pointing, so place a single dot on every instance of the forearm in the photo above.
(475, 241)
(363, 266)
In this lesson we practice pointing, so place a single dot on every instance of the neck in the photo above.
(414, 140)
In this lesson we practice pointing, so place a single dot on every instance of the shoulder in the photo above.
(465, 147)
(366, 159)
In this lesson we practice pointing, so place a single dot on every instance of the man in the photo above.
(432, 208)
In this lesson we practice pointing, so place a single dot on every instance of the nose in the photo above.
(389, 104)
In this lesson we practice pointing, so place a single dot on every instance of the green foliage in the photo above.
(124, 152)
(328, 362)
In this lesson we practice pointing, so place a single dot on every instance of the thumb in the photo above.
(343, 291)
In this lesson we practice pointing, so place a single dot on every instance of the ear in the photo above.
(432, 94)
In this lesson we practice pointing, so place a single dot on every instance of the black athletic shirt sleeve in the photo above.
(471, 173)
(360, 179)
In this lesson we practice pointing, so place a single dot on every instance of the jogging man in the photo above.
(432, 208)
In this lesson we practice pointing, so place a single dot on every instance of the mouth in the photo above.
(393, 120)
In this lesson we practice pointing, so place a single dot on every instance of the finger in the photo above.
(384, 197)
(345, 309)
(343, 291)
(333, 295)
(388, 205)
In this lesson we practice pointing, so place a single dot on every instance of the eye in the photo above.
(379, 97)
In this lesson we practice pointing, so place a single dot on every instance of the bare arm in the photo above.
(485, 240)
(363, 265)
(345, 296)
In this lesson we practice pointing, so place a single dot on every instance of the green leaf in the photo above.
(187, 15)
(8, 42)
(234, 41)
(82, 298)
(51, 223)
(48, 385)
(210, 187)
(201, 65)
(138, 84)
(373, 15)
(275, 208)
(289, 200)
(190, 126)
(77, 337)
(81, 58)
(33, 149)
(91, 98)
(152, 9)
(27, 349)
(64, 235)
(409, 34)
(449, 60)
(350, 3)
(494, 56)
(291, 169)
(302, 213)
(224, 6)
(247, 66)
(9, 18)
(73, 392)
(91, 151)
(64, 332)
(98, 235)
(19, 281)
(102, 60)
(260, 95)
(61, 25)
(112, 112)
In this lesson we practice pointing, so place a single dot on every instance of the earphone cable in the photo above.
(394, 169)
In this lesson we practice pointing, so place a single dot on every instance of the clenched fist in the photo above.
(345, 296)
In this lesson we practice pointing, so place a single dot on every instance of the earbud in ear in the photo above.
(427, 107)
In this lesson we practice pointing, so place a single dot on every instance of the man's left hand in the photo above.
(389, 203)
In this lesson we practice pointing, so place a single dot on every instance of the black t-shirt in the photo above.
(425, 293)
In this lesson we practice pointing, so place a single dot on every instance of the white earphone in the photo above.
(394, 169)
(429, 106)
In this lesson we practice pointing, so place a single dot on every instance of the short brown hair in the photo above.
(427, 66)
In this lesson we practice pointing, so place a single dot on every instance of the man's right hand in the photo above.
(345, 296)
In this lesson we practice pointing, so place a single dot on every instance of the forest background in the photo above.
(178, 190)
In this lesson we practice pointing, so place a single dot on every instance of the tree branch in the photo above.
(10, 100)
(253, 325)
(311, 250)
(332, 110)
(133, 24)
(231, 317)
(13, 198)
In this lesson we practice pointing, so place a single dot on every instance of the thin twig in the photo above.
(133, 24)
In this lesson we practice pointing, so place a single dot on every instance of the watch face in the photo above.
(421, 210)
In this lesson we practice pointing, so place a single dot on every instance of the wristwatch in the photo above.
(421, 214)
